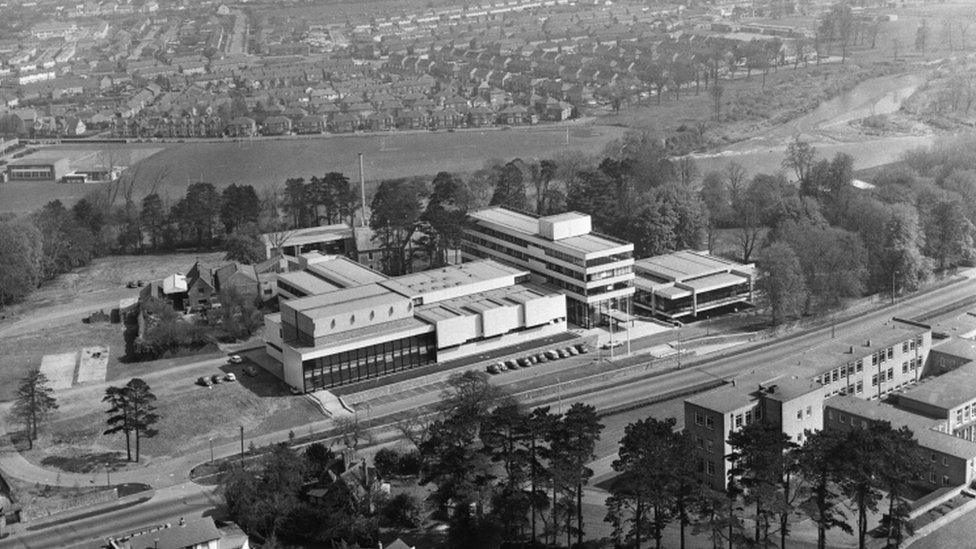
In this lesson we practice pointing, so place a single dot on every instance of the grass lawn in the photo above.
(49, 321)
(189, 414)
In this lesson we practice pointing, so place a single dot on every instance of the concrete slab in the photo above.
(60, 369)
(329, 403)
(94, 364)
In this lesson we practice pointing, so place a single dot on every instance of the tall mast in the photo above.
(362, 190)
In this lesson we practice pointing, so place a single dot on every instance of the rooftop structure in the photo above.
(593, 270)
(687, 282)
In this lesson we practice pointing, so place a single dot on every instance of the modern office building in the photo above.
(871, 364)
(687, 283)
(354, 323)
(594, 271)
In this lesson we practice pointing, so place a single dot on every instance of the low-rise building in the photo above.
(687, 283)
(344, 334)
(328, 239)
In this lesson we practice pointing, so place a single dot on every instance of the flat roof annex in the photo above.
(527, 227)
(450, 277)
(299, 237)
(685, 265)
(946, 391)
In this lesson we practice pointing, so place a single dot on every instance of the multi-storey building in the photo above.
(360, 325)
(594, 271)
(869, 365)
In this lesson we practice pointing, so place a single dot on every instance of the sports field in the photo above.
(264, 163)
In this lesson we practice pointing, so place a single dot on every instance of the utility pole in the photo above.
(362, 190)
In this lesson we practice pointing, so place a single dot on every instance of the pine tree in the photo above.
(33, 403)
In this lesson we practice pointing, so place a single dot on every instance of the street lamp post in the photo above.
(211, 450)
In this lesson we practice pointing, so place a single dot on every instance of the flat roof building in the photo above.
(687, 282)
(868, 364)
(952, 460)
(328, 239)
(594, 271)
(352, 323)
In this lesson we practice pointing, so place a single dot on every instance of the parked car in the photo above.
(581, 347)
(230, 378)
(251, 371)
(493, 369)
(216, 378)
(205, 381)
(613, 345)
(524, 362)
(511, 365)
(532, 359)
(572, 351)
(541, 358)
(235, 359)
(130, 284)
(552, 355)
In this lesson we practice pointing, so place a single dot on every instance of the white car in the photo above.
(230, 377)
(235, 359)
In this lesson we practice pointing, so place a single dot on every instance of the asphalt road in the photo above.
(168, 505)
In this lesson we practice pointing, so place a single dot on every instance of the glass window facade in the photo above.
(369, 362)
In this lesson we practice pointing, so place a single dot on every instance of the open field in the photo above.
(49, 321)
(264, 163)
(190, 415)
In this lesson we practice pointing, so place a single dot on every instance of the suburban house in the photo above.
(242, 126)
(276, 125)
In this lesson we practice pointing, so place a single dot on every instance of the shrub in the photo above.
(387, 463)
(402, 510)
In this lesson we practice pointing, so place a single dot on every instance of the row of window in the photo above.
(596, 262)
(368, 362)
(965, 414)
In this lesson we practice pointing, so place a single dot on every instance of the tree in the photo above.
(446, 213)
(647, 461)
(34, 402)
(799, 157)
(717, 91)
(833, 260)
(197, 212)
(573, 445)
(142, 416)
(781, 280)
(396, 211)
(861, 463)
(239, 205)
(902, 458)
(244, 248)
(510, 188)
(819, 462)
(716, 205)
(949, 234)
(297, 205)
(119, 420)
(153, 218)
(20, 260)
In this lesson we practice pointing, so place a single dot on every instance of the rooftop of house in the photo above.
(922, 427)
(727, 398)
(528, 226)
(957, 347)
(686, 265)
(339, 301)
(946, 391)
(299, 237)
(307, 282)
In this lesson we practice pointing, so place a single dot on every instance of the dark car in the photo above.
(251, 371)
(205, 381)
(216, 378)
(541, 358)
(493, 369)
(524, 362)
(552, 355)
(511, 365)
(581, 347)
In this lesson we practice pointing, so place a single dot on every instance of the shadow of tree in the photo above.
(86, 463)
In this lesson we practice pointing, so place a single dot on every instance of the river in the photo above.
(826, 127)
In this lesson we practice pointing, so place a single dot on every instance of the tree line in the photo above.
(822, 239)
